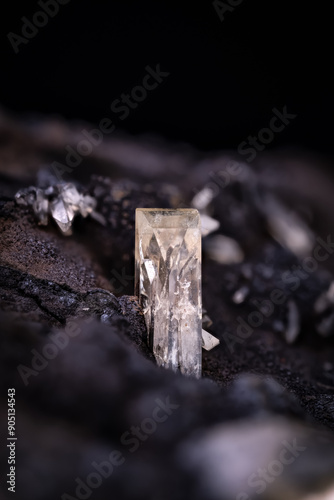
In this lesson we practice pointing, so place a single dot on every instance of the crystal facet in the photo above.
(168, 284)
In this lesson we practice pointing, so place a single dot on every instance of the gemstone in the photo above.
(168, 284)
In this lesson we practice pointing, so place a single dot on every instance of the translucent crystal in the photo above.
(61, 215)
(63, 201)
(168, 284)
(209, 341)
(87, 205)
(70, 195)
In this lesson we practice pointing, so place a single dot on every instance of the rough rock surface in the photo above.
(73, 337)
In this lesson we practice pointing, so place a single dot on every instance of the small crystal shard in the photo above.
(288, 228)
(203, 198)
(224, 250)
(168, 284)
(61, 214)
(209, 341)
(208, 225)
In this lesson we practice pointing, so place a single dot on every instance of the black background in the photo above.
(225, 77)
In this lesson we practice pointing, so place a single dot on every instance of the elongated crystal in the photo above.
(168, 284)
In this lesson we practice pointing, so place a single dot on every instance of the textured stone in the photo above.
(168, 284)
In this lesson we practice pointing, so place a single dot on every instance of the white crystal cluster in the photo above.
(168, 284)
(61, 201)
